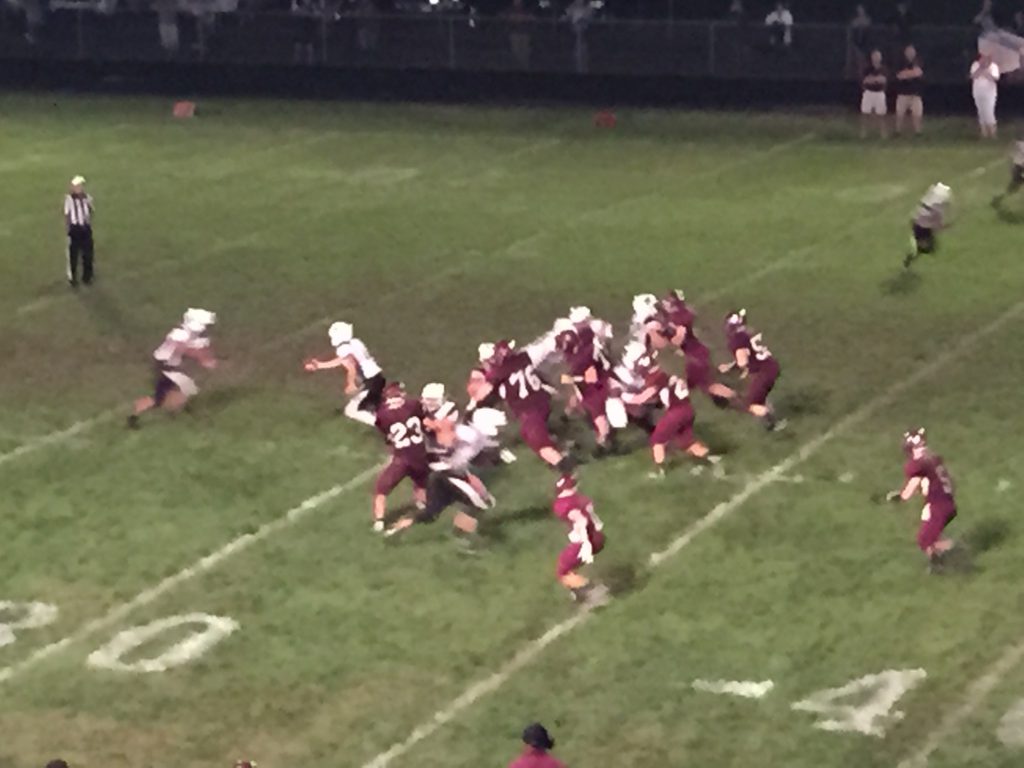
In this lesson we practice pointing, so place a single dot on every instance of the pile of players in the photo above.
(440, 449)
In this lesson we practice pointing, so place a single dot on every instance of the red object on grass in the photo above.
(605, 119)
(184, 109)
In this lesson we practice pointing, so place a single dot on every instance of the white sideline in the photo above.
(204, 564)
(976, 693)
(78, 427)
(533, 649)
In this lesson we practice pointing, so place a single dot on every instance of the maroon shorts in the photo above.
(593, 397)
(698, 373)
(569, 558)
(533, 428)
(675, 424)
(930, 530)
(762, 382)
(396, 471)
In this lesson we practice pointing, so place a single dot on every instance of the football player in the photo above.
(364, 378)
(754, 361)
(173, 387)
(400, 419)
(675, 426)
(676, 328)
(932, 214)
(512, 374)
(645, 312)
(586, 539)
(439, 413)
(630, 382)
(1016, 173)
(589, 374)
(925, 472)
(452, 480)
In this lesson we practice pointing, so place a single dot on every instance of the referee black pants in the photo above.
(80, 248)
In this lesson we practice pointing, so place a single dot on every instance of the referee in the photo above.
(78, 224)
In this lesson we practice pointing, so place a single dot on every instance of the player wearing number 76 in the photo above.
(927, 473)
(754, 360)
(400, 419)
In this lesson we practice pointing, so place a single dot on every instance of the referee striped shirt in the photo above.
(78, 209)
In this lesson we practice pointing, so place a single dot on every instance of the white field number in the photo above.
(870, 702)
(209, 631)
(179, 648)
(23, 616)
(1011, 728)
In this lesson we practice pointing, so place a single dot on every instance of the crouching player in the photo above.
(400, 418)
(1016, 173)
(927, 473)
(364, 381)
(173, 387)
(932, 214)
(585, 540)
(452, 480)
(754, 360)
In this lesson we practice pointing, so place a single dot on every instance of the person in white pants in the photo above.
(985, 87)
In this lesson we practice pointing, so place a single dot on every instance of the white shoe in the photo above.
(378, 526)
(506, 456)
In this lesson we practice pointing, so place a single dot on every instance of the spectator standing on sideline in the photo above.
(859, 26)
(780, 26)
(904, 23)
(1018, 23)
(985, 88)
(579, 14)
(910, 91)
(873, 107)
(519, 37)
(537, 743)
(78, 209)
(737, 13)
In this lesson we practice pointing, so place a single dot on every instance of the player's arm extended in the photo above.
(741, 357)
(325, 365)
(908, 491)
(640, 398)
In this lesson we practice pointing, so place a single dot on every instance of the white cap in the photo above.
(340, 333)
(579, 314)
(489, 420)
(78, 181)
(433, 391)
(485, 351)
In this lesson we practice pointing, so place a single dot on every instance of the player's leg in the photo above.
(387, 481)
(865, 114)
(665, 431)
(533, 429)
(87, 256)
(72, 259)
(917, 114)
(162, 387)
(760, 387)
(901, 113)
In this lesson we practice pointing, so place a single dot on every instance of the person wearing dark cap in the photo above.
(537, 742)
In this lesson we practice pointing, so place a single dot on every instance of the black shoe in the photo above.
(133, 421)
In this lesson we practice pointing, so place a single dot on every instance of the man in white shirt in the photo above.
(985, 87)
(780, 25)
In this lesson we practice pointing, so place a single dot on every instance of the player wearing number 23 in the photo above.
(926, 472)
(754, 360)
(400, 419)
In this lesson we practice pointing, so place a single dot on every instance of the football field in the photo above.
(208, 588)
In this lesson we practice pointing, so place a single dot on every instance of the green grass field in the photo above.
(433, 229)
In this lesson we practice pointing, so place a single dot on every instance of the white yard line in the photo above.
(55, 438)
(207, 563)
(976, 693)
(534, 648)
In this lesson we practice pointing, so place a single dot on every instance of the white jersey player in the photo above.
(172, 385)
(452, 480)
(364, 378)
(645, 311)
(439, 413)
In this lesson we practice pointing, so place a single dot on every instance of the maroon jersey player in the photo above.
(925, 472)
(754, 361)
(589, 373)
(675, 426)
(512, 374)
(400, 419)
(677, 320)
(585, 539)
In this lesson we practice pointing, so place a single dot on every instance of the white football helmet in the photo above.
(198, 320)
(339, 333)
(645, 304)
(485, 352)
(938, 194)
(562, 325)
(433, 395)
(489, 420)
(579, 314)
